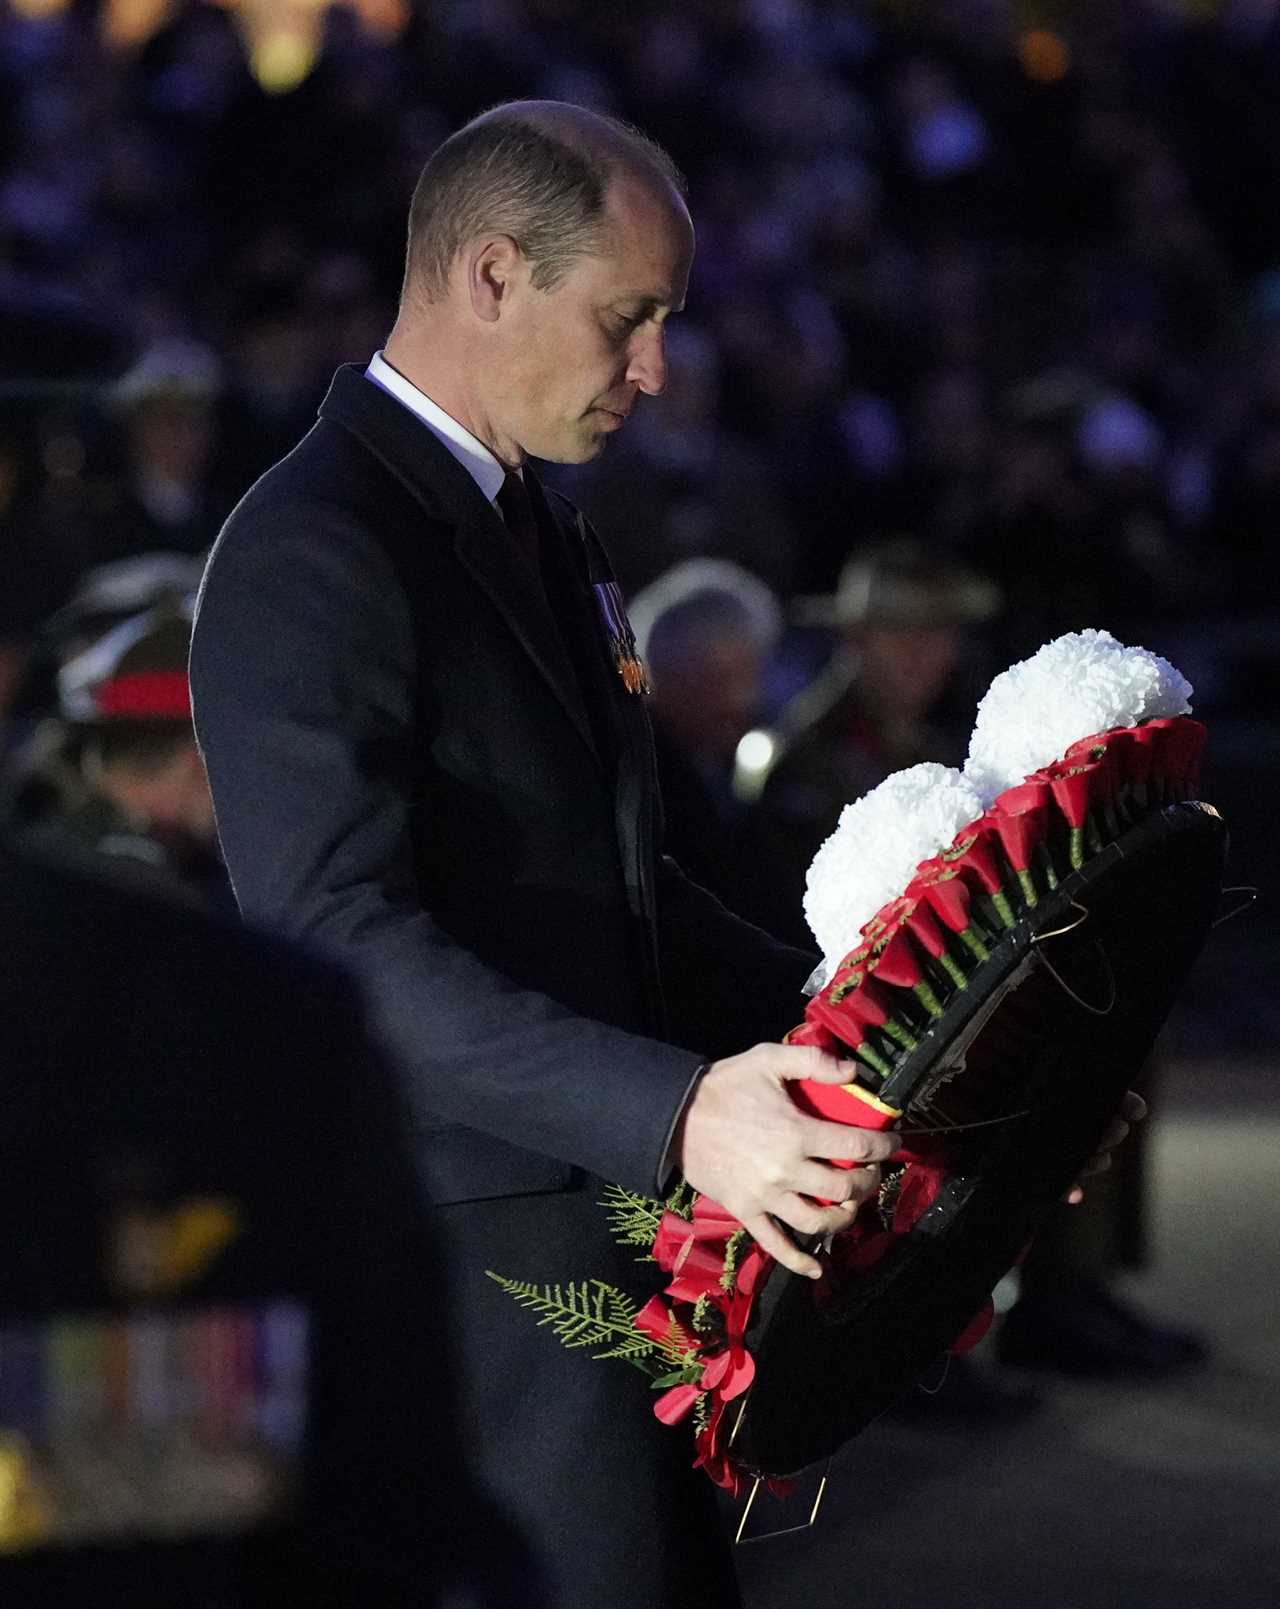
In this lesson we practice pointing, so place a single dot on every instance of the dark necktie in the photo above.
(555, 587)
(517, 511)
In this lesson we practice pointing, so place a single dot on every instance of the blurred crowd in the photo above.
(982, 345)
(989, 278)
(1006, 289)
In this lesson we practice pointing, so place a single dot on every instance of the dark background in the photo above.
(1003, 276)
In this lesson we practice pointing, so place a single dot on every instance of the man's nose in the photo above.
(647, 367)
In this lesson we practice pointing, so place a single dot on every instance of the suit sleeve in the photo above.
(728, 984)
(303, 677)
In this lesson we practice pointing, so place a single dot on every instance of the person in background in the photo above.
(41, 768)
(139, 810)
(1068, 1318)
(163, 1066)
(163, 496)
(706, 630)
(886, 699)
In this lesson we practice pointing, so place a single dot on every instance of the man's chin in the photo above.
(578, 444)
(581, 451)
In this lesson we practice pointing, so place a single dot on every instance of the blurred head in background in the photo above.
(902, 611)
(706, 629)
(165, 404)
(130, 696)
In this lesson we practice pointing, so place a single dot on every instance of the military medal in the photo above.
(621, 638)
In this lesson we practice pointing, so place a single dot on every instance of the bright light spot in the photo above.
(385, 19)
(277, 32)
(280, 61)
(126, 23)
(754, 752)
(37, 10)
(1045, 57)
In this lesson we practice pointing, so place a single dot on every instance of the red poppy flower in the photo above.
(1073, 790)
(973, 851)
(898, 962)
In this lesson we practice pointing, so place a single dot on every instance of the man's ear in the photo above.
(492, 271)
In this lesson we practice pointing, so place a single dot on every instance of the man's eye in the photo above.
(631, 321)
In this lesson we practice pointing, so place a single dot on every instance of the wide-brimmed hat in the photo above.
(176, 372)
(902, 583)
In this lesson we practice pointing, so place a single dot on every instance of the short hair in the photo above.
(538, 171)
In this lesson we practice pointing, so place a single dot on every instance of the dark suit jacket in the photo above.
(405, 769)
(423, 758)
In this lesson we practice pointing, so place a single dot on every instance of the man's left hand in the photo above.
(1132, 1110)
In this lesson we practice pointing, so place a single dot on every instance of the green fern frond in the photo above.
(639, 1347)
(633, 1219)
(594, 1314)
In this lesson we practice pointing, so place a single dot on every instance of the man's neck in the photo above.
(439, 372)
(485, 469)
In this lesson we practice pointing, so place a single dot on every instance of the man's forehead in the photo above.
(649, 243)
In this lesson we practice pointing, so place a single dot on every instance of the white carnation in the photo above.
(1079, 684)
(876, 847)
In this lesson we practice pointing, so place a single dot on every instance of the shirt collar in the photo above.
(472, 454)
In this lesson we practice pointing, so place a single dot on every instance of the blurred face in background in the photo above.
(172, 439)
(707, 694)
(907, 668)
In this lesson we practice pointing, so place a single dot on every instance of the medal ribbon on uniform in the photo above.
(621, 638)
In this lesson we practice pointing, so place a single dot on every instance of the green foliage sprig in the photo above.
(634, 1219)
(593, 1313)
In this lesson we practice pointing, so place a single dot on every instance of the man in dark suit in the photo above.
(429, 751)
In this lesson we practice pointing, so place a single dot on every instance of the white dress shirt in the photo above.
(472, 454)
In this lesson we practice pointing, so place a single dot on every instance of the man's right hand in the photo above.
(744, 1142)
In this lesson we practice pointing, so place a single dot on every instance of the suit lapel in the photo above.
(637, 803)
(482, 542)
(483, 545)
(485, 548)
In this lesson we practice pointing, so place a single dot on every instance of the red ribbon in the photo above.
(146, 695)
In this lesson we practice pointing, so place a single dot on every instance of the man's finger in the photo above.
(808, 1218)
(807, 1061)
(781, 1247)
(838, 1142)
(1115, 1132)
(837, 1184)
(1133, 1108)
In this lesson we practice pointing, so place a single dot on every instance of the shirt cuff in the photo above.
(667, 1167)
